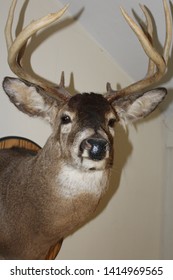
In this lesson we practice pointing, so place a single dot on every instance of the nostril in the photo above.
(85, 145)
(98, 148)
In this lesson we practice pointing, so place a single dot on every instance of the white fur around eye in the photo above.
(110, 117)
(66, 128)
(112, 131)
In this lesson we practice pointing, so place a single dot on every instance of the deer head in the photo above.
(83, 125)
(90, 116)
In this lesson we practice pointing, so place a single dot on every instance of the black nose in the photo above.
(96, 147)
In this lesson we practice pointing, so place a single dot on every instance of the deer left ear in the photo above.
(137, 106)
(30, 99)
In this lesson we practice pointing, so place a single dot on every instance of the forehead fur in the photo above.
(88, 103)
(90, 108)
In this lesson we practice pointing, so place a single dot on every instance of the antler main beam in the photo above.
(15, 48)
(157, 62)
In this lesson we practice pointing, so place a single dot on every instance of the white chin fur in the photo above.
(89, 164)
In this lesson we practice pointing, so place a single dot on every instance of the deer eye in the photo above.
(65, 119)
(111, 122)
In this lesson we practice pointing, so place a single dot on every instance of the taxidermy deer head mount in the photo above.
(51, 193)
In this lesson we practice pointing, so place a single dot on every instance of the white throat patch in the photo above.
(74, 182)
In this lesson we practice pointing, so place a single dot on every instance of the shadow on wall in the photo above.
(168, 77)
(122, 146)
(122, 150)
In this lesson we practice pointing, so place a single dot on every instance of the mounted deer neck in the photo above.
(49, 194)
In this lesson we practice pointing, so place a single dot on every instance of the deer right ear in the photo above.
(30, 99)
(137, 106)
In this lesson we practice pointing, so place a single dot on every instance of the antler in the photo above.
(157, 65)
(16, 50)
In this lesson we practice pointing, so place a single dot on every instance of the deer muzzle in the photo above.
(95, 148)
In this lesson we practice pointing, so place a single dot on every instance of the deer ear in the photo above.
(30, 99)
(137, 106)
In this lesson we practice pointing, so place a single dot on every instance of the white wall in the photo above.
(130, 225)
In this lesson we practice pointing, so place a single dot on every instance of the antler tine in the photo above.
(8, 27)
(61, 87)
(14, 47)
(157, 68)
(151, 65)
(168, 39)
(62, 80)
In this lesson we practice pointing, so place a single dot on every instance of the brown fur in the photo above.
(33, 215)
(46, 196)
